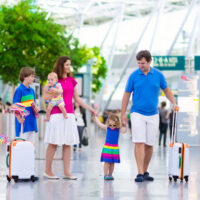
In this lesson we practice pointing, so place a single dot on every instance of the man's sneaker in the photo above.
(139, 178)
(147, 177)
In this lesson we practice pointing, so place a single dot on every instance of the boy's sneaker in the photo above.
(139, 178)
(147, 177)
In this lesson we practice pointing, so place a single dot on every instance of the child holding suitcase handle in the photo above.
(23, 105)
(25, 95)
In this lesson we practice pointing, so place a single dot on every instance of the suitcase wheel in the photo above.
(15, 178)
(175, 178)
(186, 179)
(33, 178)
(8, 178)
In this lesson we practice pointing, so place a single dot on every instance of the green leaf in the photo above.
(29, 38)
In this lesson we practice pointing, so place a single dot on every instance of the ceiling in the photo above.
(75, 13)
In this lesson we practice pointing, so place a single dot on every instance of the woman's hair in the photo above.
(58, 67)
(115, 118)
(25, 72)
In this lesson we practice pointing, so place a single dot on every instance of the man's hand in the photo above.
(124, 119)
(175, 107)
(123, 129)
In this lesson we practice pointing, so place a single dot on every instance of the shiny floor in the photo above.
(90, 184)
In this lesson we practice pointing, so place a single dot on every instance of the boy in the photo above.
(25, 95)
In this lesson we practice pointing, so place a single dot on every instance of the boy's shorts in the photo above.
(28, 136)
(144, 128)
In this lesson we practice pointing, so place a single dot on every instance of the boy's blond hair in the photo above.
(114, 118)
(25, 72)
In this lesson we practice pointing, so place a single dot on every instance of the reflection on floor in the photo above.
(90, 183)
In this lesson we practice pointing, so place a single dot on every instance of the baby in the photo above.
(54, 100)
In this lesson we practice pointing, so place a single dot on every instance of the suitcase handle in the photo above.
(7, 161)
(16, 139)
(174, 125)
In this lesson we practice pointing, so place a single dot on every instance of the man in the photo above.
(144, 85)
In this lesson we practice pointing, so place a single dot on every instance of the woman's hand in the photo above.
(94, 112)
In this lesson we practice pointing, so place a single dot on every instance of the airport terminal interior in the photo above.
(119, 29)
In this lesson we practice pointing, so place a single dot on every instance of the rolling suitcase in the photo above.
(21, 160)
(178, 156)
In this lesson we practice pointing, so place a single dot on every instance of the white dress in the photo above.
(61, 131)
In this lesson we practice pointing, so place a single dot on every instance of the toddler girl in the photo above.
(110, 152)
(57, 100)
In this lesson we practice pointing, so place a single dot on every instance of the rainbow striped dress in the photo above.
(110, 152)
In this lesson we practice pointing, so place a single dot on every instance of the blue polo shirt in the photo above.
(145, 90)
(26, 96)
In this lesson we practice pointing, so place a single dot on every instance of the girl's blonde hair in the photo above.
(115, 118)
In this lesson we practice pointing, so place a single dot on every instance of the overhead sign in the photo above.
(197, 62)
(169, 62)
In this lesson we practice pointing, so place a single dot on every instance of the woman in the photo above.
(61, 131)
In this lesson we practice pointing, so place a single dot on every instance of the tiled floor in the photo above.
(90, 183)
